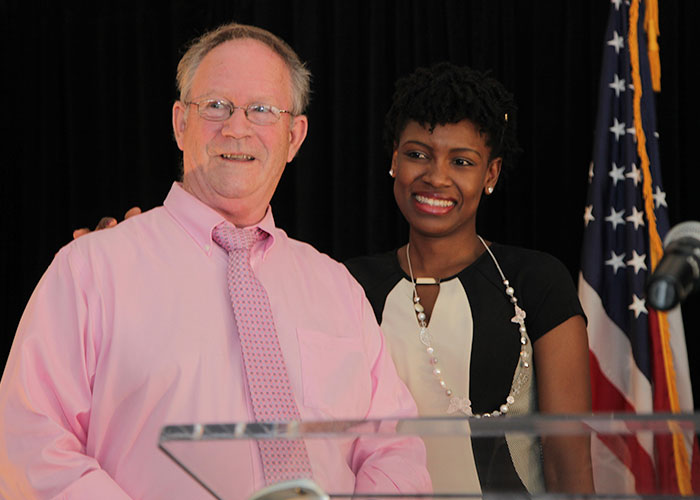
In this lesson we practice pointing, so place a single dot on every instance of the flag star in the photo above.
(617, 41)
(615, 261)
(618, 129)
(638, 306)
(635, 174)
(615, 218)
(617, 85)
(588, 215)
(659, 198)
(633, 132)
(616, 3)
(637, 261)
(637, 218)
(656, 134)
(617, 173)
(590, 173)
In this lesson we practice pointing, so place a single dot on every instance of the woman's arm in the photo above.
(563, 387)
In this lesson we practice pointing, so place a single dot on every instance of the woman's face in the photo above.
(441, 175)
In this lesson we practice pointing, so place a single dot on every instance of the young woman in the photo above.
(474, 327)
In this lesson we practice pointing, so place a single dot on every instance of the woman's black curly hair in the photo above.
(445, 93)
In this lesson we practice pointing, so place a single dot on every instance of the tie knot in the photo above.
(232, 238)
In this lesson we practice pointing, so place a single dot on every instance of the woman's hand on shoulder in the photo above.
(105, 223)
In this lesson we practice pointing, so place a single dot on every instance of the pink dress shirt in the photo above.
(132, 329)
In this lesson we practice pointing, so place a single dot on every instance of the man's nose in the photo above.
(237, 125)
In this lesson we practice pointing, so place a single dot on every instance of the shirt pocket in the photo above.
(335, 374)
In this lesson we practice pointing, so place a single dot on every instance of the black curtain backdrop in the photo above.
(88, 89)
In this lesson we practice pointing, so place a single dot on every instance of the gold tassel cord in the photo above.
(651, 25)
(681, 459)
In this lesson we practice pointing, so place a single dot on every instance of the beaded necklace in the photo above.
(463, 404)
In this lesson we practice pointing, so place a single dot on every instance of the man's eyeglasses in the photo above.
(218, 110)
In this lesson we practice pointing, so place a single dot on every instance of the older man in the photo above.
(165, 319)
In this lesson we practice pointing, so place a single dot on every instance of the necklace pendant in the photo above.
(463, 405)
(425, 338)
(519, 316)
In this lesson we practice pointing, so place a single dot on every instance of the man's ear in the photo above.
(179, 123)
(297, 134)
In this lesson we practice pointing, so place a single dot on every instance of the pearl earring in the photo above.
(391, 172)
(489, 190)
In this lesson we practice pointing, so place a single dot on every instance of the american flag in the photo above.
(638, 356)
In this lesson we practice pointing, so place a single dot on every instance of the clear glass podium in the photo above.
(633, 456)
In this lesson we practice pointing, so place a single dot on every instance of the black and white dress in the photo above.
(479, 352)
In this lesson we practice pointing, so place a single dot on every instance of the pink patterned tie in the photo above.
(268, 381)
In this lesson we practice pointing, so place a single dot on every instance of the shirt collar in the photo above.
(199, 219)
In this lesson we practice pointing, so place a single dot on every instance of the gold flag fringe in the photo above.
(651, 25)
(656, 248)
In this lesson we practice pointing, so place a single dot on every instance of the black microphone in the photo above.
(678, 273)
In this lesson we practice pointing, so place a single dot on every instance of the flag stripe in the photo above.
(629, 452)
(614, 355)
(604, 393)
(615, 472)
